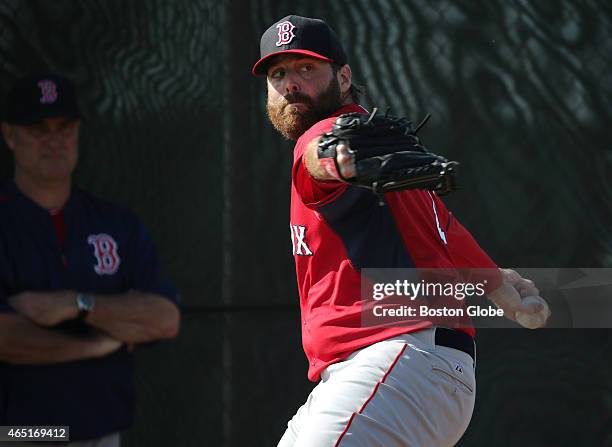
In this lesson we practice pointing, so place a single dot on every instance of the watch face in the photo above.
(85, 302)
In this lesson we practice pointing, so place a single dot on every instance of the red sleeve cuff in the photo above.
(315, 193)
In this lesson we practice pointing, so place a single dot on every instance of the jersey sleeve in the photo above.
(467, 255)
(314, 193)
(145, 273)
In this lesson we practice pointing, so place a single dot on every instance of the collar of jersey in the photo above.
(14, 192)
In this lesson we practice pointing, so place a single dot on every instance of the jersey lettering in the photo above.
(298, 245)
(285, 33)
(106, 253)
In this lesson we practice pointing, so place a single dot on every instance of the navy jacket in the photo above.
(106, 250)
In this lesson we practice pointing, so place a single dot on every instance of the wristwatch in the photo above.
(85, 304)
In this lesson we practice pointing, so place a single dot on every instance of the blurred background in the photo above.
(175, 129)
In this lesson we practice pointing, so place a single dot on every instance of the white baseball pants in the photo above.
(401, 392)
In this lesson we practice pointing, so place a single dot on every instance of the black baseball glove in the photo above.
(388, 154)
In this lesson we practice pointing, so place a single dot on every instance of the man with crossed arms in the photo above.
(80, 282)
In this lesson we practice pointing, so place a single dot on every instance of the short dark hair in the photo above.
(357, 91)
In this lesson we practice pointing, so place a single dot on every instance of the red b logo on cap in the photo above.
(48, 92)
(285, 33)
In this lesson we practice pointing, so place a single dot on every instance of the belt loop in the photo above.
(452, 338)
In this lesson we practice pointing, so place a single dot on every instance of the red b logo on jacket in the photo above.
(105, 251)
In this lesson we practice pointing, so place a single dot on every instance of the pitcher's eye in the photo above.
(277, 74)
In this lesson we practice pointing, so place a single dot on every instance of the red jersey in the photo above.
(338, 229)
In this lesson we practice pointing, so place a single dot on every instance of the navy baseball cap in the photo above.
(36, 97)
(299, 35)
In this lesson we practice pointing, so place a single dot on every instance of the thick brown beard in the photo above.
(291, 122)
